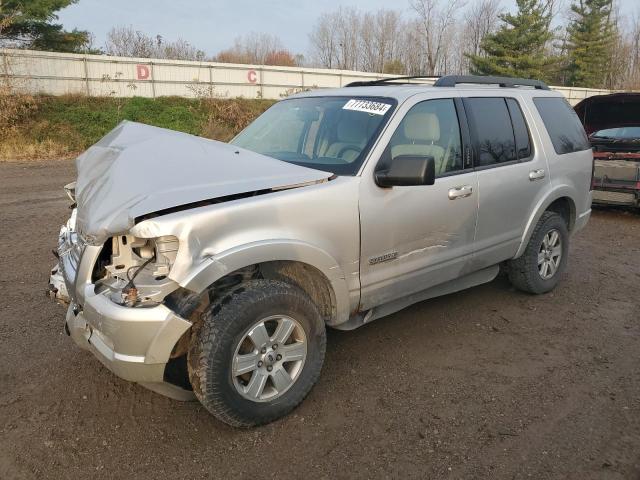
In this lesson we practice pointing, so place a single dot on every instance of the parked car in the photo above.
(198, 267)
(613, 125)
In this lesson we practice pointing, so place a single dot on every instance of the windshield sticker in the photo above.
(367, 106)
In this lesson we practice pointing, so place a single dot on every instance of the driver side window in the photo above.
(430, 128)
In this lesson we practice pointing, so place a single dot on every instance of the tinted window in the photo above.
(491, 124)
(562, 124)
(430, 128)
(523, 141)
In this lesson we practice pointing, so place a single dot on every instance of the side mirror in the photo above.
(408, 170)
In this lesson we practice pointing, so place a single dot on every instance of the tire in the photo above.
(525, 271)
(225, 334)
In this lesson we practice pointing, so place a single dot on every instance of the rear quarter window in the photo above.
(562, 124)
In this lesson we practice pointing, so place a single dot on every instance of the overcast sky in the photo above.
(213, 25)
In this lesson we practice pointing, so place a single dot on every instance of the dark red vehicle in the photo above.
(612, 123)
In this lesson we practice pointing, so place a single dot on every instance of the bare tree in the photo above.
(481, 19)
(634, 64)
(258, 49)
(347, 29)
(380, 38)
(323, 41)
(125, 41)
(436, 20)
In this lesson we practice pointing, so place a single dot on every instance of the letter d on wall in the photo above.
(142, 72)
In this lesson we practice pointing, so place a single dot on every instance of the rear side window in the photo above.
(562, 124)
(491, 124)
(520, 130)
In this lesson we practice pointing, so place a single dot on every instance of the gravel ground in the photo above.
(487, 383)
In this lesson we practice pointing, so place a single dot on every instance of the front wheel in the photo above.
(257, 353)
(539, 268)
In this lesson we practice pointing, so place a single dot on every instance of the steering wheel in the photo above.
(342, 151)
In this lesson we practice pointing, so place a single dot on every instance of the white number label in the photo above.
(367, 106)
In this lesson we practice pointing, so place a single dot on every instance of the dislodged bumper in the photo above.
(134, 343)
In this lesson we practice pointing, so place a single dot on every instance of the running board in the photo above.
(471, 280)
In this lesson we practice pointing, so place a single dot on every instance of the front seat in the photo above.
(351, 134)
(421, 131)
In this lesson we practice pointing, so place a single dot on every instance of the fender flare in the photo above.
(557, 192)
(217, 266)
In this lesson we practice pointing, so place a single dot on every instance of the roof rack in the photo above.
(382, 81)
(505, 82)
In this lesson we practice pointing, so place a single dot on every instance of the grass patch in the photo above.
(64, 126)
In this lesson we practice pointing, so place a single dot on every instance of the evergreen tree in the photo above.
(517, 49)
(31, 24)
(591, 39)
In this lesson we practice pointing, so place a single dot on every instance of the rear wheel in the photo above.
(539, 268)
(257, 353)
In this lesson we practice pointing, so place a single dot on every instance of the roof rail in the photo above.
(382, 81)
(506, 82)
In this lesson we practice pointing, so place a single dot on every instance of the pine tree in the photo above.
(591, 39)
(517, 49)
(30, 24)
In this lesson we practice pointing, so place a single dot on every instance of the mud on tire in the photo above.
(524, 272)
(223, 327)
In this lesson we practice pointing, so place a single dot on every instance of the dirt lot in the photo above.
(488, 383)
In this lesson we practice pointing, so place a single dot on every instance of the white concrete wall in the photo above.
(98, 75)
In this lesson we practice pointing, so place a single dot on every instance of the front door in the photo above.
(416, 237)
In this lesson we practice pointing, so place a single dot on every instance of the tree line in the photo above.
(589, 44)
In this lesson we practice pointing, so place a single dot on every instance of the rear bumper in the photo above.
(613, 196)
(617, 182)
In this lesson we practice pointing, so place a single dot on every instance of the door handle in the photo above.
(462, 191)
(536, 174)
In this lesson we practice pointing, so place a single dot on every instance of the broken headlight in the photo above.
(134, 271)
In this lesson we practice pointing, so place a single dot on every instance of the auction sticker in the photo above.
(367, 106)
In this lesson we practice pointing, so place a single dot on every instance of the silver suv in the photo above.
(198, 267)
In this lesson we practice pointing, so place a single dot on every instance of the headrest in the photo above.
(421, 127)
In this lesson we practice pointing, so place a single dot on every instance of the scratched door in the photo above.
(419, 236)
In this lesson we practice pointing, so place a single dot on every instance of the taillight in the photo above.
(593, 174)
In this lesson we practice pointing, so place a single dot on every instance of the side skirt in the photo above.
(471, 280)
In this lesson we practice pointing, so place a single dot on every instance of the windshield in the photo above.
(618, 132)
(332, 134)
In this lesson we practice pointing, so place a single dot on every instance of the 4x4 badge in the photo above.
(383, 258)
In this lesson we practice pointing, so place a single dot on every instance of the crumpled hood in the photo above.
(138, 169)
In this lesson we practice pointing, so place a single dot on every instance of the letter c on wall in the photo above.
(252, 76)
(142, 72)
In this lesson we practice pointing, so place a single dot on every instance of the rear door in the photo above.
(511, 175)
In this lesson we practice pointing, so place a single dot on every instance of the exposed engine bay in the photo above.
(134, 271)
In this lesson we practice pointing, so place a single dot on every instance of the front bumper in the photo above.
(135, 343)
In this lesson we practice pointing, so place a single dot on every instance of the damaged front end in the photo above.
(126, 304)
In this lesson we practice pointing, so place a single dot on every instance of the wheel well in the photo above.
(303, 275)
(190, 305)
(309, 279)
(564, 207)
